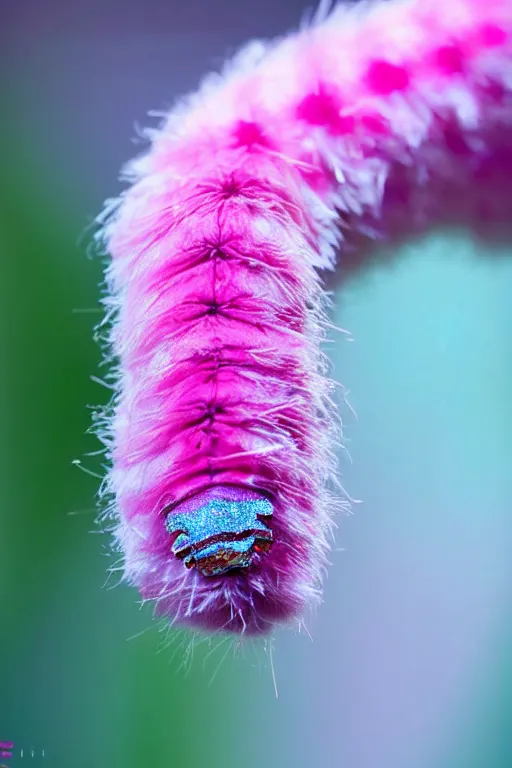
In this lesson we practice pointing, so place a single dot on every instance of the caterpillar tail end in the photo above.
(220, 529)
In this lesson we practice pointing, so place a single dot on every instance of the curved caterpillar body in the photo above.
(223, 473)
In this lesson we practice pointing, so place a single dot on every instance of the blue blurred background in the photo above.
(410, 662)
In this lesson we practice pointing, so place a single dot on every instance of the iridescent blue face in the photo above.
(221, 534)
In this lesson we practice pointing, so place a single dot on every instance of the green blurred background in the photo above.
(410, 664)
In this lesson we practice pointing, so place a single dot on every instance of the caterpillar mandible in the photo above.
(223, 428)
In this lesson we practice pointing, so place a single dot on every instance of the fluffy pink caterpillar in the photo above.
(223, 477)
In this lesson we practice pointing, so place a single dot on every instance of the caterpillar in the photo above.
(223, 429)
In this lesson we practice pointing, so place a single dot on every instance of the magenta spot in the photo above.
(385, 78)
(454, 141)
(346, 124)
(248, 133)
(317, 179)
(495, 91)
(230, 188)
(490, 36)
(449, 59)
(374, 123)
(322, 108)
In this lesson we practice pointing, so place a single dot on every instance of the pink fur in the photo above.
(356, 126)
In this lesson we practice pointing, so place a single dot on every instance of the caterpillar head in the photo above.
(216, 532)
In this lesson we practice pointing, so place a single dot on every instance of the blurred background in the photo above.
(410, 662)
